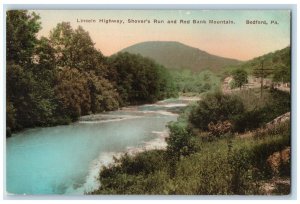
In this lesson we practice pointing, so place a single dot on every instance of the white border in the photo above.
(112, 4)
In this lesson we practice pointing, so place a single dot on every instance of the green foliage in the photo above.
(275, 103)
(21, 30)
(252, 98)
(279, 103)
(54, 81)
(180, 142)
(193, 166)
(142, 173)
(144, 163)
(282, 74)
(75, 48)
(30, 97)
(240, 77)
(104, 96)
(281, 63)
(278, 138)
(72, 93)
(248, 120)
(139, 79)
(81, 84)
(278, 63)
(221, 167)
(188, 82)
(236, 108)
(216, 107)
(10, 117)
(30, 73)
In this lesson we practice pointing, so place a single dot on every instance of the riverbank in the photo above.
(228, 166)
(68, 158)
(211, 162)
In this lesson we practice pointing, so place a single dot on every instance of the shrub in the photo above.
(216, 107)
(281, 128)
(278, 104)
(180, 142)
(264, 110)
(220, 128)
(132, 174)
(216, 170)
(243, 173)
(144, 163)
(248, 120)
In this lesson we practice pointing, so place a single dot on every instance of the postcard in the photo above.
(148, 102)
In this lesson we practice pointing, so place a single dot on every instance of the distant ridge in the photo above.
(175, 55)
(272, 60)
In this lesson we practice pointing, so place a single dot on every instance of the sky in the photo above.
(238, 40)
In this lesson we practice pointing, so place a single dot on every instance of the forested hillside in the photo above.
(276, 65)
(175, 55)
(55, 80)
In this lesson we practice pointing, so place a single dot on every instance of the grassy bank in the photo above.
(196, 162)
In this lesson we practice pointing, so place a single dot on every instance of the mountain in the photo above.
(175, 55)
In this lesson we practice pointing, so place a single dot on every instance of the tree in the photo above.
(281, 62)
(139, 79)
(10, 118)
(30, 98)
(21, 30)
(29, 92)
(75, 48)
(82, 69)
(56, 80)
(72, 93)
(282, 74)
(240, 77)
(104, 96)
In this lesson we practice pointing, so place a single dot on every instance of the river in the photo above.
(67, 159)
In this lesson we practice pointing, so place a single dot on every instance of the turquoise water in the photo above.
(67, 159)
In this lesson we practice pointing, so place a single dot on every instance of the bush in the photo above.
(180, 142)
(248, 120)
(216, 107)
(132, 174)
(276, 103)
(281, 128)
(143, 163)
(216, 170)
(220, 128)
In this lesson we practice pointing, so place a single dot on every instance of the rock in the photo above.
(276, 186)
(278, 120)
(278, 159)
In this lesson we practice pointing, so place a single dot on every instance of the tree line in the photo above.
(276, 66)
(55, 80)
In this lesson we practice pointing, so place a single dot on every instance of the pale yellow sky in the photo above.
(239, 40)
